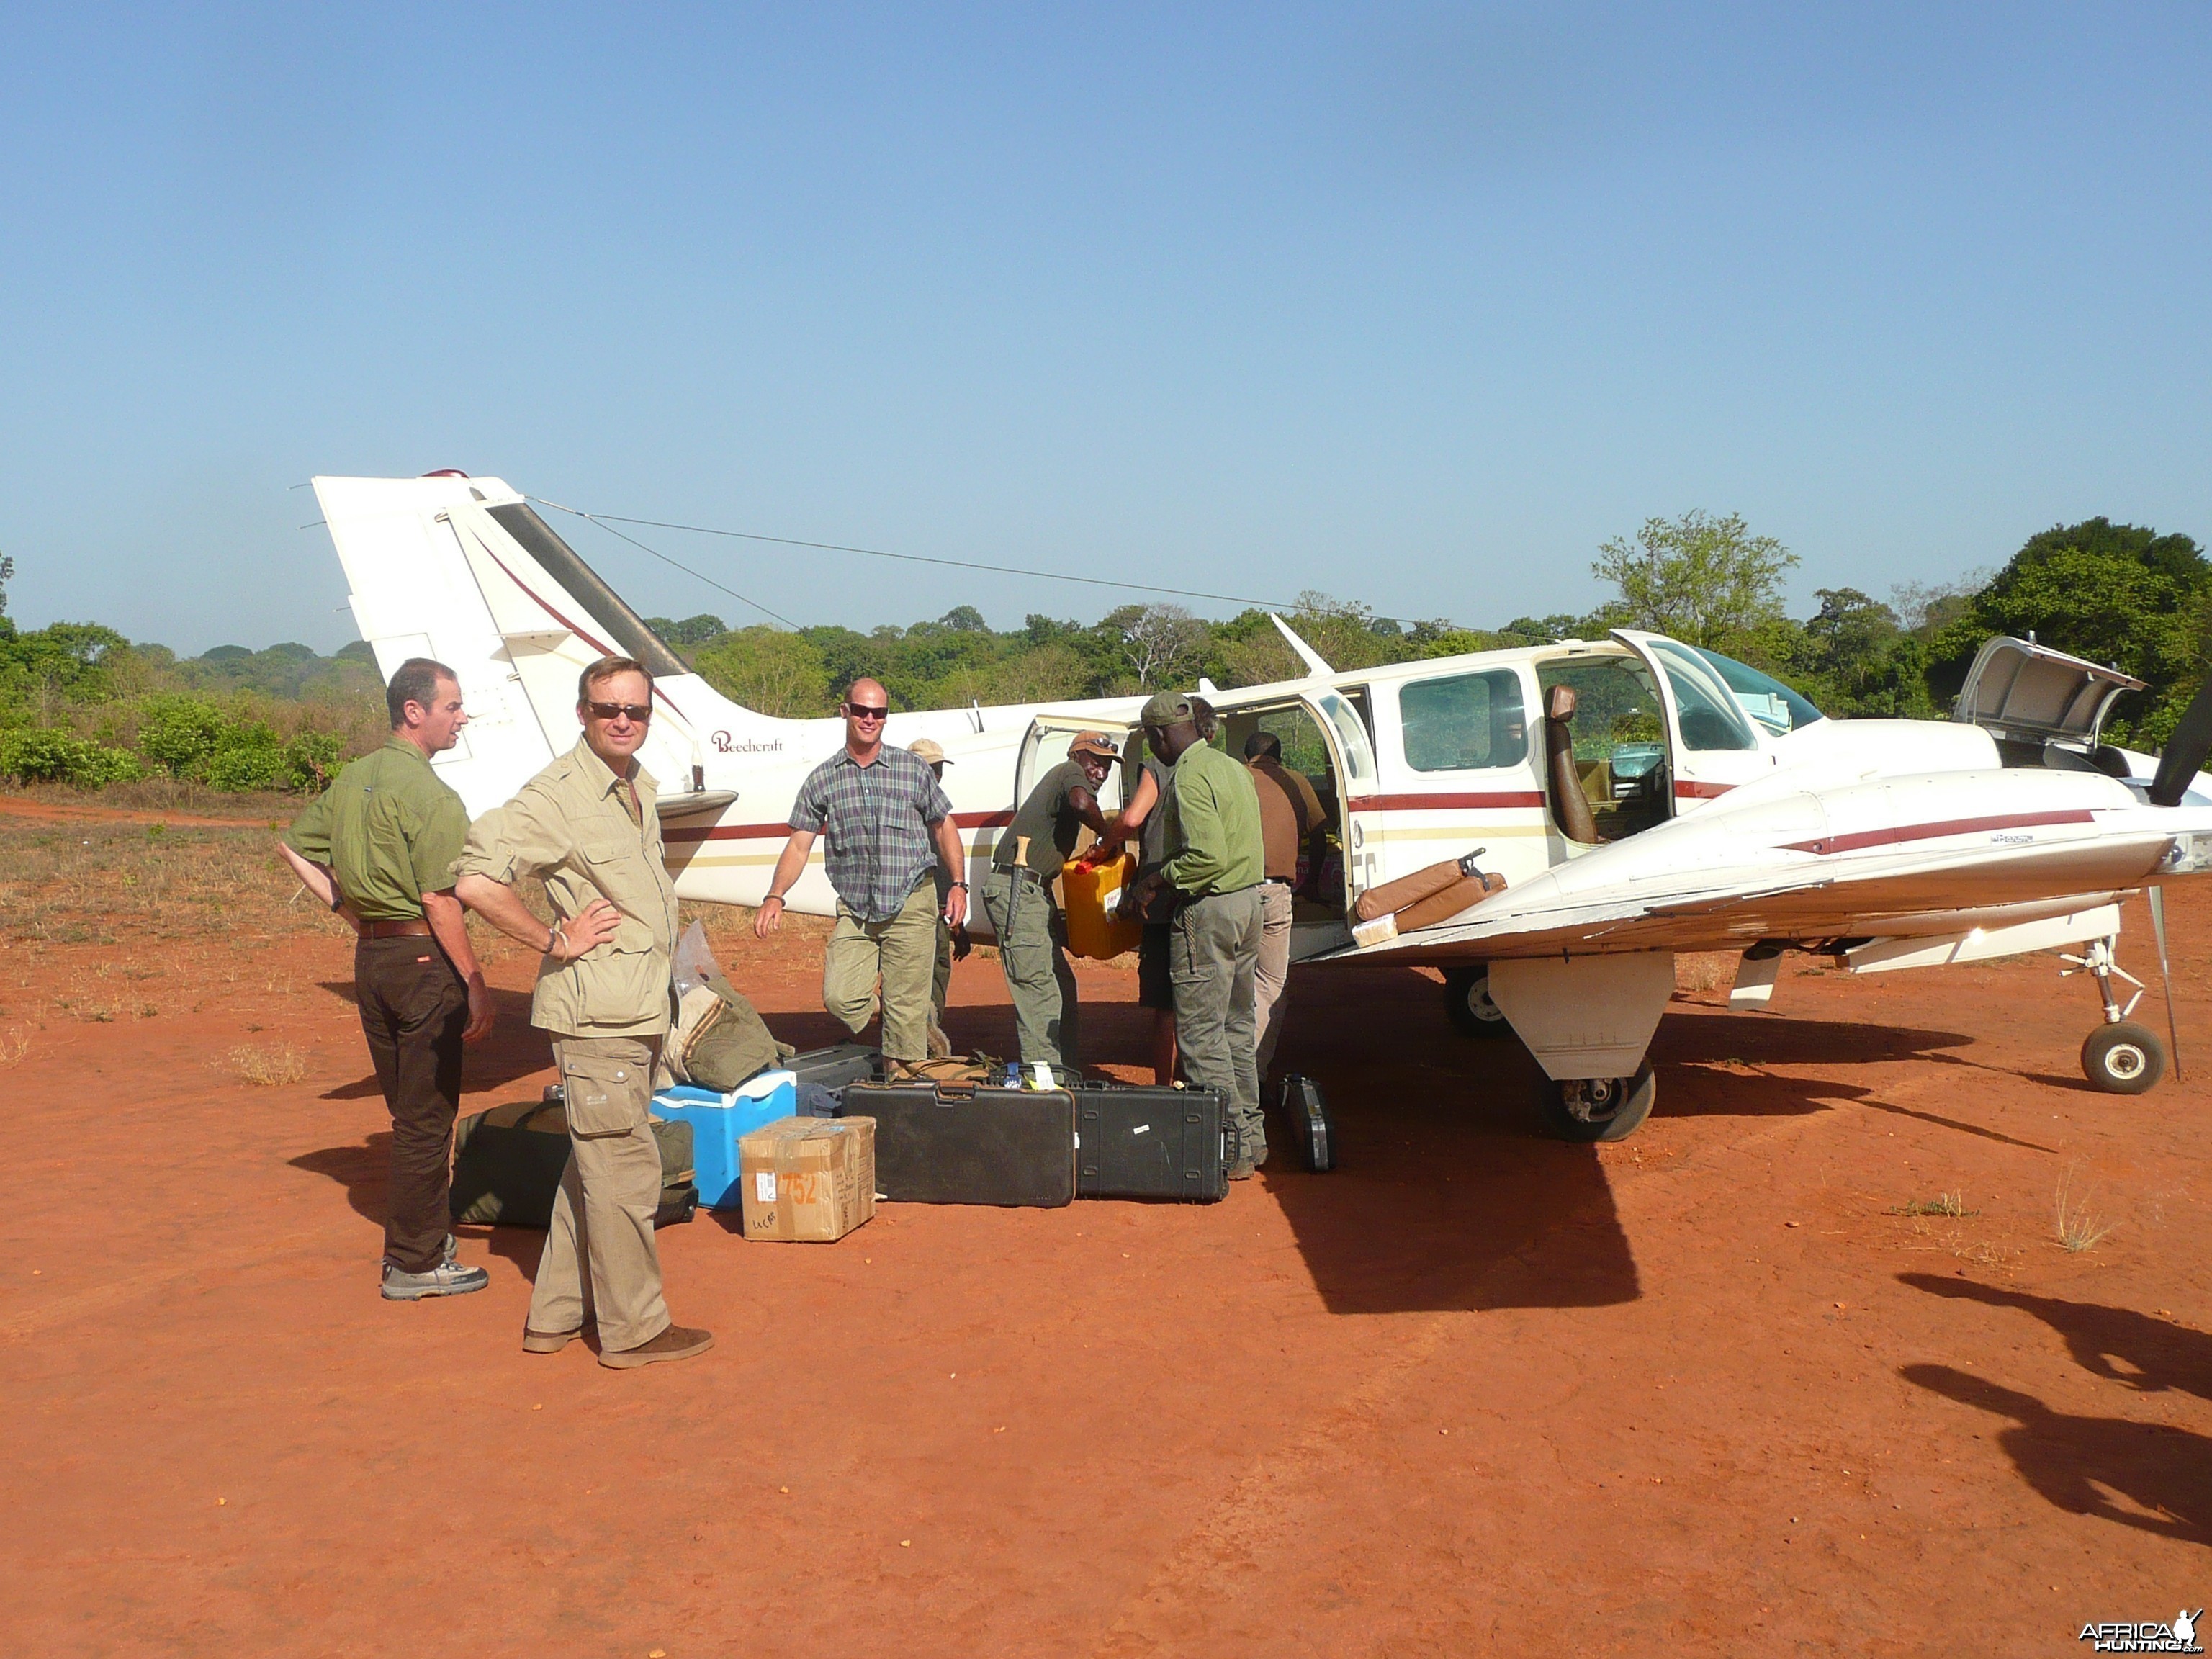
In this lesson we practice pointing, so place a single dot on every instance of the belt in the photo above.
(405, 927)
(1275, 881)
(1024, 870)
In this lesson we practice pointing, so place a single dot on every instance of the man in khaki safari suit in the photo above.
(588, 824)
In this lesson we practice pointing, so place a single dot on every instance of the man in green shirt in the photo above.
(1018, 897)
(378, 847)
(1216, 860)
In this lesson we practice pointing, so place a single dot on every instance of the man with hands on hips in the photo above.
(588, 825)
(888, 824)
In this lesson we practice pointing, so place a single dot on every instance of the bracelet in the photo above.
(553, 938)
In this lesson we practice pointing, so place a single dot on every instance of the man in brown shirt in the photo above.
(1289, 813)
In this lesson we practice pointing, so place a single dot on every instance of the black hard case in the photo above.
(1306, 1117)
(1136, 1141)
(957, 1144)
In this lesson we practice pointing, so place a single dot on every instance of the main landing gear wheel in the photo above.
(2124, 1058)
(1466, 999)
(1592, 1109)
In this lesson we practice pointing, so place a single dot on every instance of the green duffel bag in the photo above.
(508, 1161)
(720, 1039)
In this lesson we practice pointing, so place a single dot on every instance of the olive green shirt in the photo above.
(1213, 841)
(1047, 821)
(389, 829)
(570, 826)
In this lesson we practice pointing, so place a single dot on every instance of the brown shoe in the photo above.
(677, 1342)
(546, 1341)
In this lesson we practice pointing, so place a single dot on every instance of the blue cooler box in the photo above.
(718, 1121)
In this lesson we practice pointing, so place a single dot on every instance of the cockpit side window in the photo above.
(1709, 716)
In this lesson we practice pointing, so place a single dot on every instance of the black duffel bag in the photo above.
(508, 1161)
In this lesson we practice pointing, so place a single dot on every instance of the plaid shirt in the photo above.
(878, 818)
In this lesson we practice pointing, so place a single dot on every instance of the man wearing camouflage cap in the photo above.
(1018, 898)
(1216, 860)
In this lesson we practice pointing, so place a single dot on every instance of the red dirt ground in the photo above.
(1703, 1392)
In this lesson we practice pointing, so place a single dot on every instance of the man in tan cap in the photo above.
(1018, 897)
(953, 944)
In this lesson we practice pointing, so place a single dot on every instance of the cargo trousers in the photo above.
(414, 1008)
(1032, 935)
(1273, 969)
(1213, 954)
(899, 956)
(601, 1265)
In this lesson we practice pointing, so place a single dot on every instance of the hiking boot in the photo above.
(546, 1341)
(938, 1044)
(446, 1278)
(1242, 1169)
(452, 1249)
(677, 1342)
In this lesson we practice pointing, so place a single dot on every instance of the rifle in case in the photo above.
(1142, 1141)
(1312, 1130)
(953, 1143)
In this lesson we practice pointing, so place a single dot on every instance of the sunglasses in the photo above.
(639, 711)
(861, 711)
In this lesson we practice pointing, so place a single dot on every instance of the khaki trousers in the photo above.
(1213, 954)
(609, 1192)
(1270, 972)
(900, 956)
(1042, 986)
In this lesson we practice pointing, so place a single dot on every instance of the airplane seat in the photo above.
(1570, 806)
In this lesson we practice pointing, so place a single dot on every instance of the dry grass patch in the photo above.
(269, 1066)
(1699, 972)
(14, 1045)
(1948, 1204)
(92, 882)
(2079, 1226)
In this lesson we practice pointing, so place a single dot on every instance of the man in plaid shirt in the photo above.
(888, 824)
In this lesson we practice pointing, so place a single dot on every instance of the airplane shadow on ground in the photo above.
(514, 1050)
(2150, 1354)
(2149, 1476)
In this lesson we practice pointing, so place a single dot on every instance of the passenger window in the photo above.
(1464, 723)
(1619, 739)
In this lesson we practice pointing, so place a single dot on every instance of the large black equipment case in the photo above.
(1312, 1130)
(1136, 1141)
(957, 1144)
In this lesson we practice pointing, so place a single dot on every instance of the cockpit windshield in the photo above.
(1764, 698)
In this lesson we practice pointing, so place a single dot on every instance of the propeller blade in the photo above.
(2165, 976)
(2186, 751)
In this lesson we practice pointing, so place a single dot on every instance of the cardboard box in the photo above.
(808, 1178)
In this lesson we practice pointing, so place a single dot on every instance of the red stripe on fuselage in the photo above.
(1690, 789)
(758, 831)
(1896, 833)
(1447, 803)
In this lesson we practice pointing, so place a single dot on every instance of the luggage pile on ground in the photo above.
(507, 1163)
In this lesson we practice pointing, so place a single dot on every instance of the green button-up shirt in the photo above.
(570, 826)
(1213, 841)
(389, 829)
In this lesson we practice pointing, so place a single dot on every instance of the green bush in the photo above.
(310, 760)
(248, 756)
(45, 755)
(179, 734)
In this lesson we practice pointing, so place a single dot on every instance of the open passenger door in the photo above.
(1712, 745)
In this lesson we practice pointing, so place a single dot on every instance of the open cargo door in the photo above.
(2022, 692)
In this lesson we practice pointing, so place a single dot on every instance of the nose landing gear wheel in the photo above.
(2124, 1058)
(1594, 1109)
(1467, 1001)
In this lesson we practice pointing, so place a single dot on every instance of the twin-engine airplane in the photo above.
(1639, 797)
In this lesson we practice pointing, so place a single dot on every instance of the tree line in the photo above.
(80, 704)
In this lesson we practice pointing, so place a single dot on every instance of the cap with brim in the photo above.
(1095, 743)
(929, 750)
(1166, 708)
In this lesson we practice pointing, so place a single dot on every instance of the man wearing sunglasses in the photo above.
(587, 825)
(888, 825)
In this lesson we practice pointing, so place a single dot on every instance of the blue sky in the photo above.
(1416, 305)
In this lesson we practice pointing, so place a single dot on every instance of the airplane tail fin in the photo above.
(465, 571)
